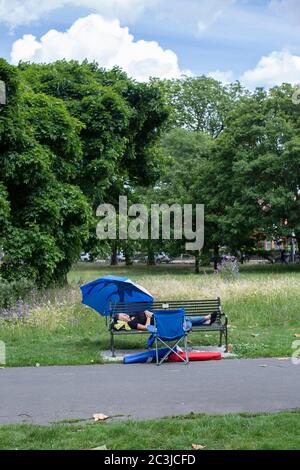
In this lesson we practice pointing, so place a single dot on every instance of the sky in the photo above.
(254, 41)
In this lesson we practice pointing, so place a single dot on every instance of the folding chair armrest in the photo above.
(151, 329)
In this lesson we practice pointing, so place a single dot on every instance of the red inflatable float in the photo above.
(197, 356)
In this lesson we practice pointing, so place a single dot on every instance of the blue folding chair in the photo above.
(170, 327)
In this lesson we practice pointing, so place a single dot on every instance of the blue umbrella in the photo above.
(100, 293)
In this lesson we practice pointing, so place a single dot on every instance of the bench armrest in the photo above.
(225, 317)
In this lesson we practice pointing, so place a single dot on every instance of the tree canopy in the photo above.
(73, 135)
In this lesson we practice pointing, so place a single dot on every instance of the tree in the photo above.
(122, 120)
(201, 106)
(46, 216)
(260, 150)
(121, 123)
(184, 155)
(201, 103)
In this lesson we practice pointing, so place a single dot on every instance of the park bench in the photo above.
(193, 308)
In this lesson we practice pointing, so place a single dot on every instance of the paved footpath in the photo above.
(47, 394)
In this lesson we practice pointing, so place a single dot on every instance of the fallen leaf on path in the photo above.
(264, 365)
(100, 417)
(198, 447)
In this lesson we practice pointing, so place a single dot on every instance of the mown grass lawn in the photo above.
(231, 432)
(262, 304)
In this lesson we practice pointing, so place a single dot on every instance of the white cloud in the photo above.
(274, 69)
(102, 40)
(224, 77)
(20, 12)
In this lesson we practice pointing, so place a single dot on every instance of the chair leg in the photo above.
(185, 345)
(164, 358)
(186, 350)
(172, 349)
(156, 348)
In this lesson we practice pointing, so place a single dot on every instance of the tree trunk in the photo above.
(216, 257)
(151, 256)
(114, 256)
(293, 250)
(298, 251)
(128, 258)
(197, 262)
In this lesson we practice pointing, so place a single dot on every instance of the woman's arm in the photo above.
(148, 322)
(142, 327)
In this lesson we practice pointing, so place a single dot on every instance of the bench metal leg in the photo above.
(221, 339)
(112, 344)
(226, 340)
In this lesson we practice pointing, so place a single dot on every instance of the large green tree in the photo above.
(45, 215)
(259, 152)
(200, 104)
(121, 123)
(184, 152)
(121, 118)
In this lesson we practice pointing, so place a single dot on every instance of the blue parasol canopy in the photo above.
(100, 293)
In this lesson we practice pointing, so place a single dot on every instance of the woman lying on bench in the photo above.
(142, 320)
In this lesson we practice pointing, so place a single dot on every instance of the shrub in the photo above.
(228, 268)
(13, 296)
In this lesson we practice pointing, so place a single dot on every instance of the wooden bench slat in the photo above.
(157, 305)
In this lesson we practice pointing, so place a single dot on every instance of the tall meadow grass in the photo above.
(58, 329)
